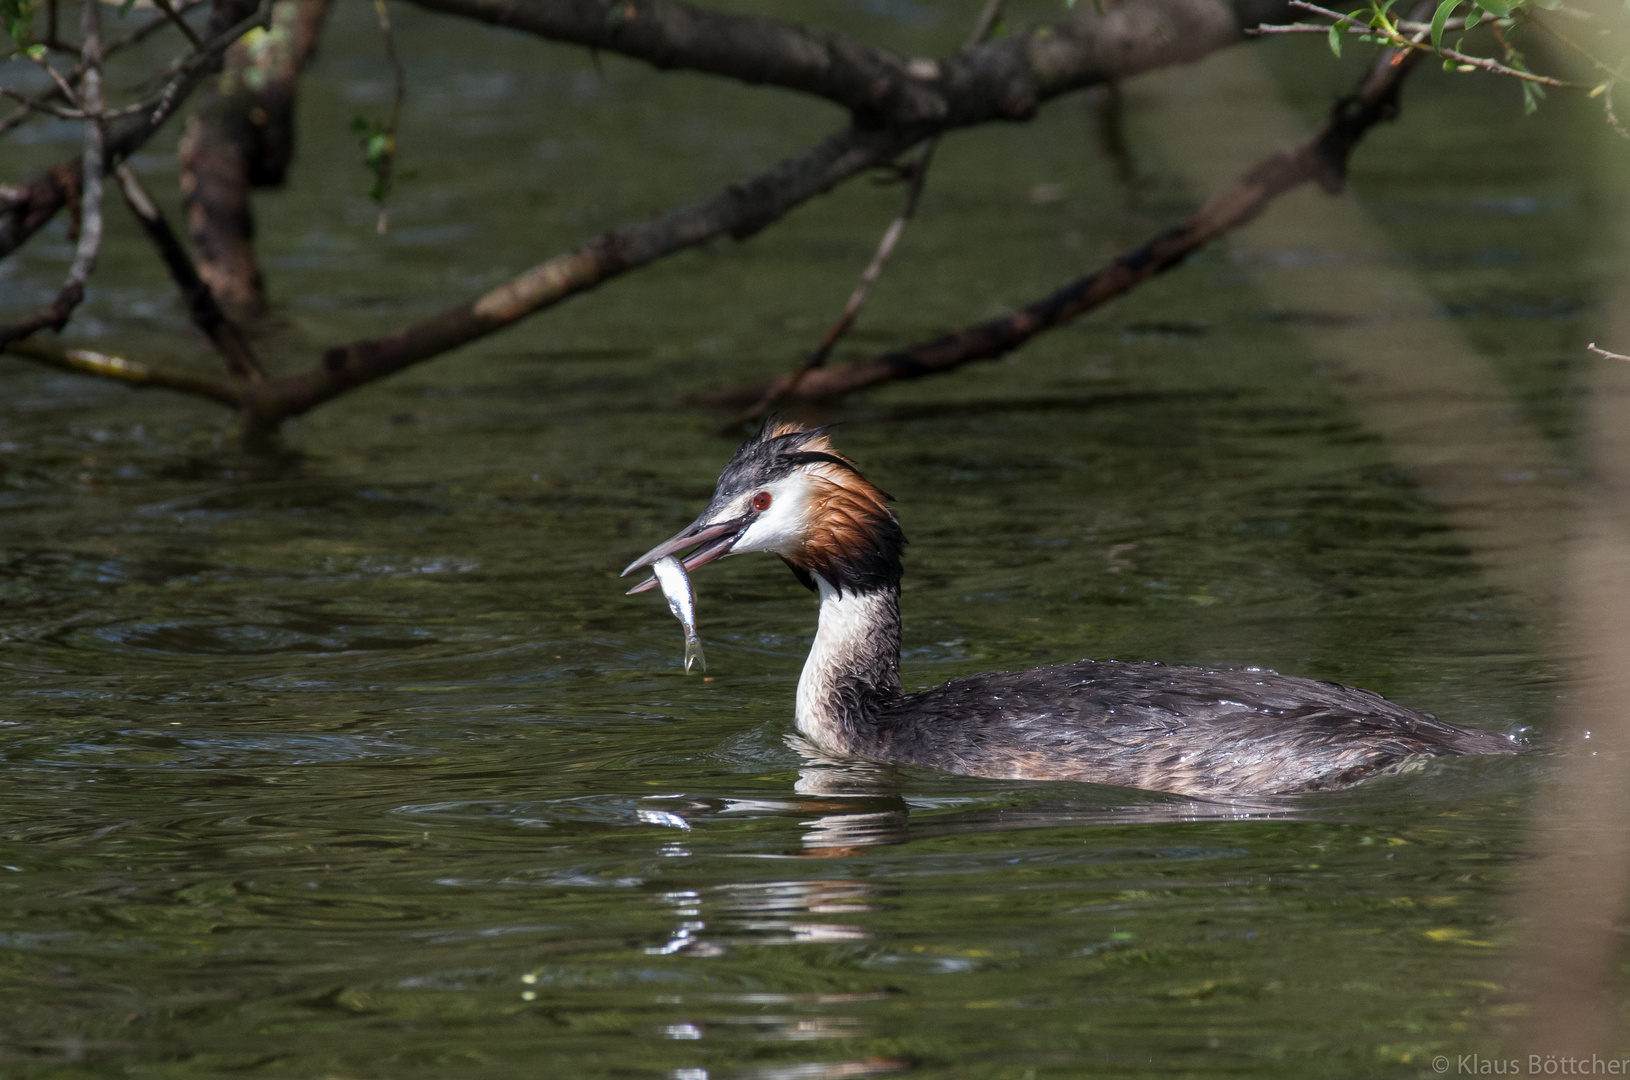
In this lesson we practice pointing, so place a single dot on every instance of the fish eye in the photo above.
(761, 501)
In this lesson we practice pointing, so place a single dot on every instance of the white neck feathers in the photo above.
(853, 666)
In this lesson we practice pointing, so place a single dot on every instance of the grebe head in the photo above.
(789, 493)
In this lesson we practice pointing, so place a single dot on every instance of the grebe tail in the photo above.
(1188, 730)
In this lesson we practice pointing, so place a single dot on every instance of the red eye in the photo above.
(761, 501)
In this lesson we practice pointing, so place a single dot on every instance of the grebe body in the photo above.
(1189, 730)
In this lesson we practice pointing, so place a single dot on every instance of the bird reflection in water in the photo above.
(846, 807)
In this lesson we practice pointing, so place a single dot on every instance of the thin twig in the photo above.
(136, 36)
(56, 76)
(30, 104)
(166, 99)
(1109, 126)
(180, 24)
(389, 160)
(989, 15)
(206, 314)
(1605, 89)
(1406, 25)
(57, 313)
(1322, 157)
(1604, 353)
(90, 102)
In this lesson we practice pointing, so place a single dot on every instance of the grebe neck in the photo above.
(854, 666)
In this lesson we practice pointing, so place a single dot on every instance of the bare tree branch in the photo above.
(917, 177)
(140, 34)
(739, 210)
(241, 136)
(387, 161)
(1322, 157)
(129, 372)
(1126, 40)
(901, 104)
(1004, 79)
(57, 313)
(180, 24)
(1605, 354)
(201, 305)
(24, 208)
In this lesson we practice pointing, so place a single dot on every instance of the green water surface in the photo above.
(357, 762)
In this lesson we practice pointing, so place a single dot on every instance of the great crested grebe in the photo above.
(1193, 731)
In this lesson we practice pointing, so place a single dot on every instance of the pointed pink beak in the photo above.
(712, 542)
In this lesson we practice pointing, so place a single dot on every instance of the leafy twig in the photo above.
(379, 140)
(1392, 33)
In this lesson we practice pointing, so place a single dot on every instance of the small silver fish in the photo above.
(670, 574)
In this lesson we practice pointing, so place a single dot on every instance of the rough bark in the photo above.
(240, 137)
(1002, 80)
(896, 104)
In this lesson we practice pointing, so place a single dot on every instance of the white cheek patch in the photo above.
(783, 527)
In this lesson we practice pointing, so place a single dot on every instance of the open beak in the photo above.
(710, 541)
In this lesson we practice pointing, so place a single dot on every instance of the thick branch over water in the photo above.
(1321, 157)
(240, 137)
(1001, 80)
(896, 105)
(1005, 78)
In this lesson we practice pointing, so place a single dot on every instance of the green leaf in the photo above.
(124, 8)
(1498, 8)
(1336, 33)
(1531, 94)
(1473, 17)
(16, 16)
(1449, 65)
(1445, 9)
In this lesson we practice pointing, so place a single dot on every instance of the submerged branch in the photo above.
(129, 372)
